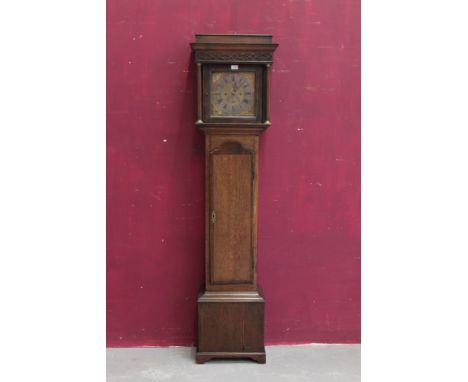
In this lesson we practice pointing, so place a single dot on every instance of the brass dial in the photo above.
(232, 94)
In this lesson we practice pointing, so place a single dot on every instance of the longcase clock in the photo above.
(233, 74)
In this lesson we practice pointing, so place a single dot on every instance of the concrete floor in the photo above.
(298, 363)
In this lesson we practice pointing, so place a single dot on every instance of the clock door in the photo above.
(233, 93)
(232, 214)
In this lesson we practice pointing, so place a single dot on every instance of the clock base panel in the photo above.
(231, 325)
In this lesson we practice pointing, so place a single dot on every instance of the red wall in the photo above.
(309, 196)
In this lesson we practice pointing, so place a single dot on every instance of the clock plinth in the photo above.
(233, 91)
(230, 325)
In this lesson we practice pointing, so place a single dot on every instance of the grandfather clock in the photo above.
(233, 94)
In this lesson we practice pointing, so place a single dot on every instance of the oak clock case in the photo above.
(233, 74)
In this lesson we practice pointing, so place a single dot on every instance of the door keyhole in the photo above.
(213, 216)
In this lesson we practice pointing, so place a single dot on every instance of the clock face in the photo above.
(232, 94)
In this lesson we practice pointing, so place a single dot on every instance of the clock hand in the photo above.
(235, 96)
